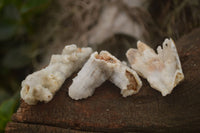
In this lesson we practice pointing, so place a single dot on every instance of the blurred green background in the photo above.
(18, 22)
(21, 20)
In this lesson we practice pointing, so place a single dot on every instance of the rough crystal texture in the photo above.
(43, 84)
(98, 69)
(162, 70)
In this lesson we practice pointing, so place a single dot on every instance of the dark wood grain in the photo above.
(15, 127)
(107, 110)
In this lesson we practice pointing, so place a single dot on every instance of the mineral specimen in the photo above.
(43, 84)
(162, 70)
(98, 69)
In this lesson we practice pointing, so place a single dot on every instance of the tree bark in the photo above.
(108, 111)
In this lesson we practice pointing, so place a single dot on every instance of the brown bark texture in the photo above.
(108, 111)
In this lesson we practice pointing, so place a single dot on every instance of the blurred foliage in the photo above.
(18, 51)
(7, 108)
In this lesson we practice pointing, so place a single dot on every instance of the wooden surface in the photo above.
(108, 111)
(15, 127)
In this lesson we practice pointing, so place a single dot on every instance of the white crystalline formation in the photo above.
(42, 85)
(162, 70)
(98, 69)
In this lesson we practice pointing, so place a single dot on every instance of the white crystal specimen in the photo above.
(126, 79)
(162, 70)
(43, 84)
(97, 70)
